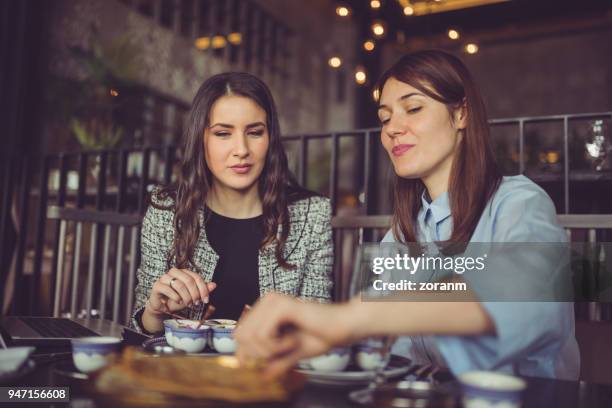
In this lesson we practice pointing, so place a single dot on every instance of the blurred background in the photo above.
(95, 93)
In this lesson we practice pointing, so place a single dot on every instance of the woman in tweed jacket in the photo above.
(233, 164)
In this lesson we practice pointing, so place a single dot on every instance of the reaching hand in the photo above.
(283, 330)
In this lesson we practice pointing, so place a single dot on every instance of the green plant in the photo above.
(117, 62)
(87, 105)
(95, 134)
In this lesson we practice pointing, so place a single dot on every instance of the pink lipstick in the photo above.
(401, 149)
(241, 168)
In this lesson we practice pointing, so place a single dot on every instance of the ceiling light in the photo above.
(360, 76)
(453, 34)
(375, 4)
(378, 29)
(218, 41)
(369, 45)
(343, 11)
(471, 48)
(335, 62)
(234, 38)
(202, 43)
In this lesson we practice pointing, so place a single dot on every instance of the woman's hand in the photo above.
(176, 290)
(283, 330)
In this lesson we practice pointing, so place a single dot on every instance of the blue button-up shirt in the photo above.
(532, 338)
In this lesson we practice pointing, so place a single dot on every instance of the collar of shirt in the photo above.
(439, 208)
(432, 216)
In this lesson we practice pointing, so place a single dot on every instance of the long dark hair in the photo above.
(277, 188)
(475, 175)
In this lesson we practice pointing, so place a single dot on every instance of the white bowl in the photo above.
(335, 360)
(223, 339)
(191, 339)
(169, 337)
(92, 353)
(168, 332)
(12, 358)
(369, 360)
(487, 389)
(188, 344)
(369, 354)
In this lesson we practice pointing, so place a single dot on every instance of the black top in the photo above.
(236, 241)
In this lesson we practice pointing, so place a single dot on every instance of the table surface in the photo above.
(540, 392)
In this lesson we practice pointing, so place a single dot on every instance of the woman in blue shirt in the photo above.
(447, 190)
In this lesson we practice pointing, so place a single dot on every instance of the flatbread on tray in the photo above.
(220, 378)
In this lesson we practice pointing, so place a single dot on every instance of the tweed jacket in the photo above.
(309, 247)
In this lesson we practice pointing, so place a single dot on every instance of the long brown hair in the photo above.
(475, 175)
(277, 187)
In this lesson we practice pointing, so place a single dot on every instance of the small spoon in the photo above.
(207, 312)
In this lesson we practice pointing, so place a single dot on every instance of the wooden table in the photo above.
(540, 393)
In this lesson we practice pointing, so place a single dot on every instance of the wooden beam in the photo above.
(422, 8)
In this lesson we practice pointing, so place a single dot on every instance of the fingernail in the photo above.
(206, 299)
(197, 303)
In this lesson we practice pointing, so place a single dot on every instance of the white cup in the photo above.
(92, 353)
(487, 389)
(334, 360)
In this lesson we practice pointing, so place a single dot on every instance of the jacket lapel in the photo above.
(206, 260)
(268, 265)
(204, 255)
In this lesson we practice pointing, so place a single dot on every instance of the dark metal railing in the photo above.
(355, 228)
(31, 195)
(67, 277)
(361, 136)
(565, 120)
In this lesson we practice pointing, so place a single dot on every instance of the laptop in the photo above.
(47, 331)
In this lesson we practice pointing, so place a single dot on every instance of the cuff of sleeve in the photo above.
(140, 326)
